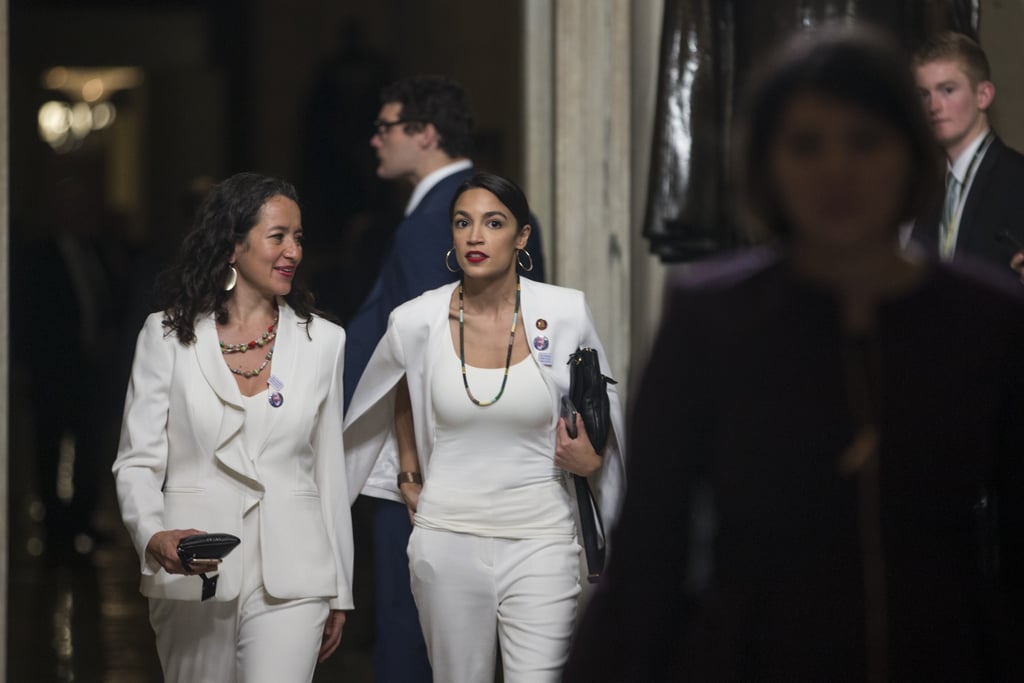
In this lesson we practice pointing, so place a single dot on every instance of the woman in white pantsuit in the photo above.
(232, 424)
(457, 415)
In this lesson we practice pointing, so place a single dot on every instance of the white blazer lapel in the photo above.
(212, 365)
(228, 448)
(551, 338)
(288, 346)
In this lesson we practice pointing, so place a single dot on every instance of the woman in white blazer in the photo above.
(232, 424)
(457, 415)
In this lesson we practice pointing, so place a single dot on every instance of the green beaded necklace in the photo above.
(508, 356)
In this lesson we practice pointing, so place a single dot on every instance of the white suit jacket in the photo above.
(414, 331)
(182, 461)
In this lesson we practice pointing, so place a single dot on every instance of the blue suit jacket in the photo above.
(414, 264)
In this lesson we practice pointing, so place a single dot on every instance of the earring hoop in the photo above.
(232, 278)
(448, 265)
(519, 259)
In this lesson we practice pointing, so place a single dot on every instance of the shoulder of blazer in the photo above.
(541, 295)
(1006, 159)
(154, 340)
(154, 327)
(440, 195)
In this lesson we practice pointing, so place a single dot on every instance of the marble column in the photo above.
(577, 113)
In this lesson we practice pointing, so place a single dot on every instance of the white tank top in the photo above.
(492, 470)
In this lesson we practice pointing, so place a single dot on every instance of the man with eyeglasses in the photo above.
(422, 136)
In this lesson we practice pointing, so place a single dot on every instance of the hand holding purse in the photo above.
(588, 394)
(206, 547)
(588, 391)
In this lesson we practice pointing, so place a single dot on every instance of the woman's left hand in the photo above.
(576, 455)
(332, 634)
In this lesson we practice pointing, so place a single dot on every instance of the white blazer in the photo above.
(414, 331)
(182, 461)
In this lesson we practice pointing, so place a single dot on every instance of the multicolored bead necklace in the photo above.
(264, 339)
(255, 343)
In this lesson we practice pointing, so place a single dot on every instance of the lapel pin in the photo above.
(541, 343)
(276, 397)
(542, 324)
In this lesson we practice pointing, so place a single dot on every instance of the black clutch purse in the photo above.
(206, 547)
(588, 391)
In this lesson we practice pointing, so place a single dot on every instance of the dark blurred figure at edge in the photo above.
(422, 136)
(64, 331)
(826, 475)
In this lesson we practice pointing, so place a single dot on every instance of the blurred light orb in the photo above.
(81, 119)
(103, 114)
(92, 89)
(54, 122)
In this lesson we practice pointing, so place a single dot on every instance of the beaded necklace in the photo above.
(253, 373)
(246, 346)
(508, 356)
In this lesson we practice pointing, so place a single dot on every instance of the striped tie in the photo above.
(947, 241)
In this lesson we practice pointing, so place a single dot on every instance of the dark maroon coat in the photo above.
(743, 411)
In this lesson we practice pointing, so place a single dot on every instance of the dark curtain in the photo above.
(707, 50)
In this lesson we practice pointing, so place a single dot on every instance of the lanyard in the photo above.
(950, 230)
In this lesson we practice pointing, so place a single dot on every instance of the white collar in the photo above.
(963, 162)
(433, 178)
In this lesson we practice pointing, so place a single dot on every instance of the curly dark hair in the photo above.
(194, 284)
(439, 101)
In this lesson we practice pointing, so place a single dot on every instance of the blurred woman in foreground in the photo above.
(829, 433)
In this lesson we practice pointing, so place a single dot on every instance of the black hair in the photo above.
(849, 64)
(439, 101)
(507, 192)
(194, 284)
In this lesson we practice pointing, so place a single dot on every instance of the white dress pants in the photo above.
(469, 588)
(254, 639)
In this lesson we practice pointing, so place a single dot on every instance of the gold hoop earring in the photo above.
(232, 278)
(448, 265)
(519, 259)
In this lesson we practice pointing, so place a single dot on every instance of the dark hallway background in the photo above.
(122, 115)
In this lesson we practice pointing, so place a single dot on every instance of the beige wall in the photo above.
(1002, 27)
(578, 140)
(588, 185)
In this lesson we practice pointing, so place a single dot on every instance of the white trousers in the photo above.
(468, 588)
(254, 639)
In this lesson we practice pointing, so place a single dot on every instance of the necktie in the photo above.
(947, 241)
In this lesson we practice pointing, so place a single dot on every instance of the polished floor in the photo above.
(78, 616)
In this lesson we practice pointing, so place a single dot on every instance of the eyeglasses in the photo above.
(382, 127)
